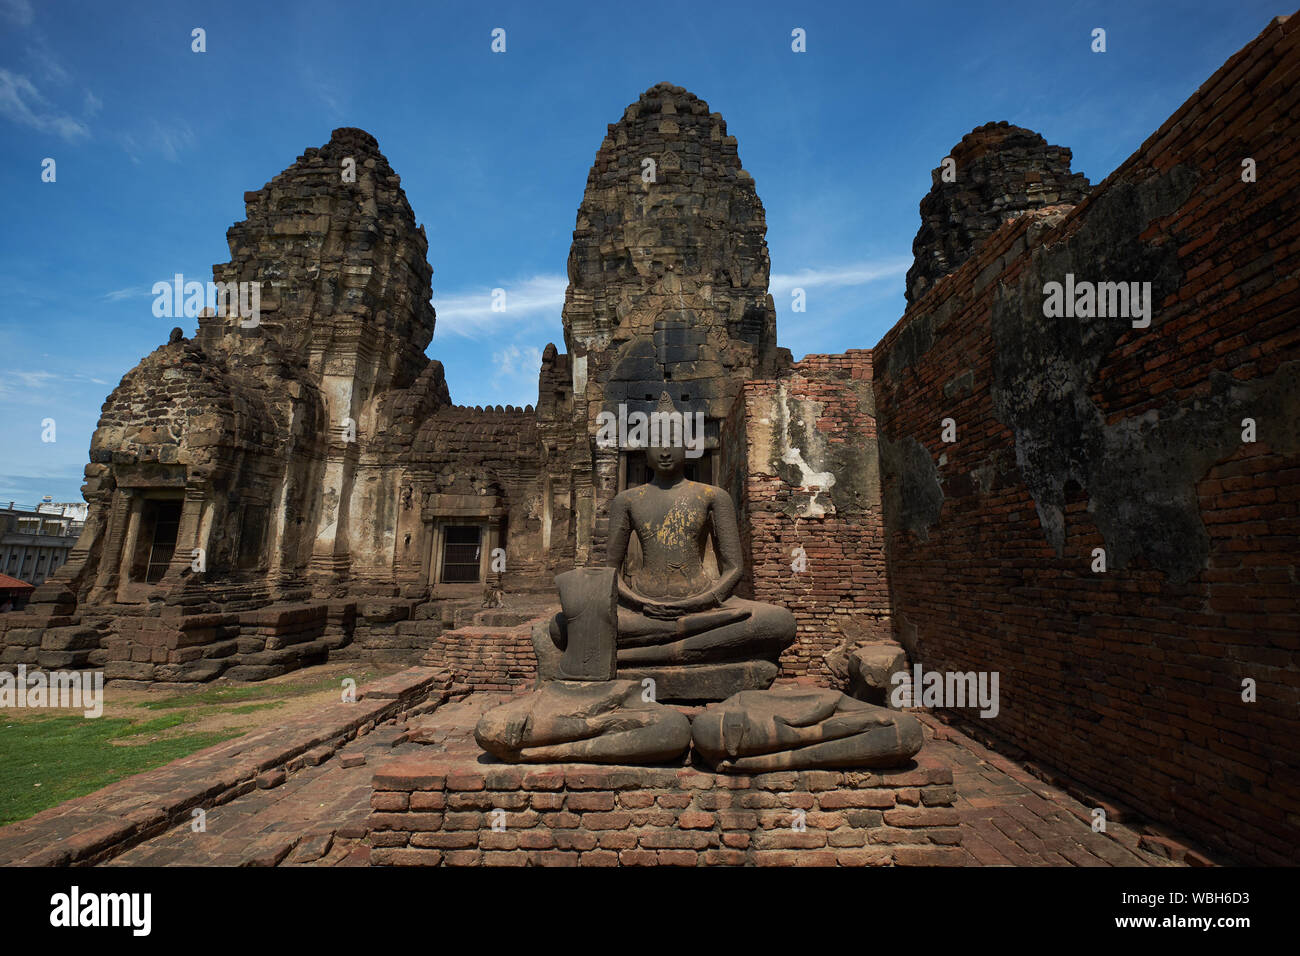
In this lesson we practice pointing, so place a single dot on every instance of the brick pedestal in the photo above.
(441, 810)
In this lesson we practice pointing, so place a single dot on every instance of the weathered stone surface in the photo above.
(203, 670)
(999, 172)
(589, 597)
(69, 639)
(866, 672)
(791, 728)
(596, 722)
(694, 682)
(544, 634)
(230, 440)
(1105, 521)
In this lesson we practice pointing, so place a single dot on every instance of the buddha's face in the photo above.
(666, 463)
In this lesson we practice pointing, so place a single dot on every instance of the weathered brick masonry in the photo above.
(430, 812)
(486, 658)
(1076, 434)
(800, 459)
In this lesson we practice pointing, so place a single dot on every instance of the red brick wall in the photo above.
(494, 659)
(440, 811)
(844, 582)
(1129, 681)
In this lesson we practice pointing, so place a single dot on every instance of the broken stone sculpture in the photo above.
(585, 714)
(589, 598)
(867, 672)
(801, 728)
(587, 722)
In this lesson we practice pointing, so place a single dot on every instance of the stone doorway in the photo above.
(462, 553)
(161, 520)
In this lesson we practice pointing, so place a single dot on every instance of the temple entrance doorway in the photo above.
(161, 520)
(462, 552)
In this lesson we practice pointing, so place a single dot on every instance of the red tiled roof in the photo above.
(13, 584)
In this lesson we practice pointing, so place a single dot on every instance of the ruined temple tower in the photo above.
(997, 172)
(346, 312)
(667, 291)
(250, 466)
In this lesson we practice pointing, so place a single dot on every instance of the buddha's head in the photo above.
(667, 463)
(666, 454)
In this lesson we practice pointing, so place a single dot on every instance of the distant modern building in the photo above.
(76, 510)
(35, 543)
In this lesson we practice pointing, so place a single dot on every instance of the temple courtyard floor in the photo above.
(318, 817)
(298, 792)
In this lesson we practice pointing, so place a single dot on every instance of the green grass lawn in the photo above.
(49, 759)
(227, 695)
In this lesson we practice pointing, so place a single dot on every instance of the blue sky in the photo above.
(155, 146)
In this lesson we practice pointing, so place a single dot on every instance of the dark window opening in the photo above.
(461, 551)
(252, 532)
(165, 519)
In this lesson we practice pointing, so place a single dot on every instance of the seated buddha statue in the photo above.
(670, 620)
(676, 622)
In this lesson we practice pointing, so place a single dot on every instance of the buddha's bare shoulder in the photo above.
(710, 493)
(630, 495)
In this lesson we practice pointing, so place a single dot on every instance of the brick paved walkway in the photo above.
(317, 815)
(1010, 817)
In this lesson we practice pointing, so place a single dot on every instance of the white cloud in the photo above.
(92, 104)
(33, 379)
(48, 66)
(514, 380)
(24, 383)
(40, 385)
(22, 103)
(513, 360)
(329, 92)
(855, 274)
(168, 141)
(117, 295)
(470, 314)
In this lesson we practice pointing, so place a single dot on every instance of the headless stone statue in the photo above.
(583, 714)
(801, 728)
(589, 630)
